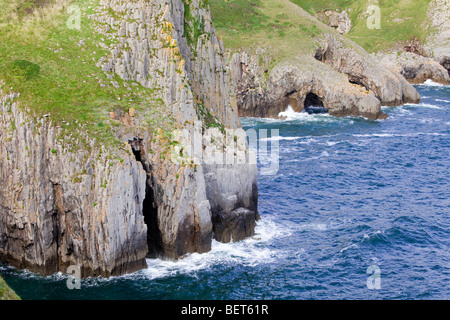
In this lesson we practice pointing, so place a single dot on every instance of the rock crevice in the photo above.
(106, 210)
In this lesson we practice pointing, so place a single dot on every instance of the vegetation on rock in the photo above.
(53, 67)
(401, 21)
(6, 293)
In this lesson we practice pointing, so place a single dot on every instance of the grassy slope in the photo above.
(6, 293)
(65, 84)
(274, 24)
(401, 21)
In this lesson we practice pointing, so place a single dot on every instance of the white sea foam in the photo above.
(379, 135)
(26, 274)
(371, 235)
(291, 115)
(308, 141)
(442, 100)
(279, 138)
(426, 105)
(352, 246)
(250, 252)
(431, 83)
(389, 135)
(313, 227)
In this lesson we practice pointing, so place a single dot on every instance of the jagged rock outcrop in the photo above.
(158, 198)
(226, 169)
(438, 43)
(415, 68)
(198, 61)
(60, 207)
(389, 86)
(339, 21)
(342, 78)
(291, 84)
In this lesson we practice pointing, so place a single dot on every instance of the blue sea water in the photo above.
(350, 194)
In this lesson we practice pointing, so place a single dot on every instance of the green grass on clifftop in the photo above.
(275, 24)
(401, 21)
(6, 293)
(53, 67)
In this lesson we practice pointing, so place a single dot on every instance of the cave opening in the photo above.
(320, 54)
(150, 208)
(314, 104)
(150, 212)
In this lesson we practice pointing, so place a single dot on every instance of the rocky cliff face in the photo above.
(343, 79)
(415, 68)
(419, 61)
(389, 87)
(337, 20)
(61, 207)
(299, 85)
(438, 43)
(160, 199)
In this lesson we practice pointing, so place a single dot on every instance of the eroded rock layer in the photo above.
(341, 77)
(107, 209)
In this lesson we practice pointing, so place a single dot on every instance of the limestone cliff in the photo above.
(306, 83)
(107, 209)
(308, 64)
(339, 21)
(415, 68)
(421, 29)
(389, 86)
(343, 79)
(61, 207)
(420, 60)
(438, 43)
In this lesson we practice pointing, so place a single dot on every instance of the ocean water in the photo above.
(358, 209)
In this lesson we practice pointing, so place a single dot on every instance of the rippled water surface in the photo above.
(350, 193)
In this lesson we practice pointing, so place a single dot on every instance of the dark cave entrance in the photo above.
(150, 209)
(313, 104)
(150, 212)
(321, 54)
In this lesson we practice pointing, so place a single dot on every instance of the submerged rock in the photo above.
(235, 225)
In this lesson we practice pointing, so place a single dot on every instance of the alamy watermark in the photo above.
(228, 147)
(374, 280)
(74, 280)
(374, 17)
(74, 21)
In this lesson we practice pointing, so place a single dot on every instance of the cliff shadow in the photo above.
(150, 209)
